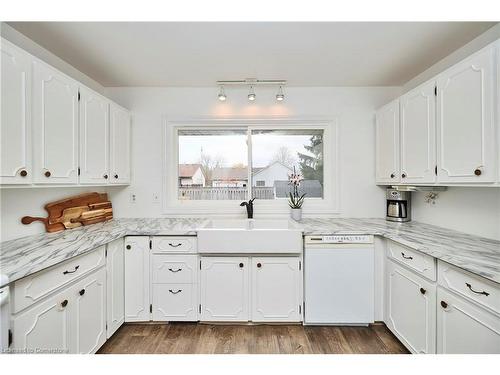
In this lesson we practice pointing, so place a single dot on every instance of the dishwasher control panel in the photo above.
(339, 238)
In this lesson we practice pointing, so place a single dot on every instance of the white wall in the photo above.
(354, 108)
(466, 209)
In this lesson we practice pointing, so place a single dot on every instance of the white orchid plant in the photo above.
(295, 200)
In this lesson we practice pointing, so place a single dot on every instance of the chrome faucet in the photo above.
(249, 206)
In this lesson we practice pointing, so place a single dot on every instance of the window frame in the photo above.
(172, 206)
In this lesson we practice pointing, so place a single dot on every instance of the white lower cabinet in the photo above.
(175, 302)
(411, 308)
(224, 288)
(465, 328)
(259, 289)
(137, 280)
(70, 321)
(115, 273)
(276, 289)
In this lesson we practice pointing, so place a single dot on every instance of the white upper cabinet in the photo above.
(465, 120)
(55, 126)
(418, 135)
(387, 143)
(94, 137)
(15, 133)
(120, 145)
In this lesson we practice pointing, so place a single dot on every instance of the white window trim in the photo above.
(312, 207)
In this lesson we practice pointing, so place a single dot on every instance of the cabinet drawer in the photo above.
(175, 302)
(174, 269)
(163, 244)
(30, 289)
(423, 264)
(476, 288)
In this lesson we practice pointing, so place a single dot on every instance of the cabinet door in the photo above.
(15, 137)
(45, 327)
(411, 309)
(55, 126)
(120, 145)
(89, 309)
(387, 144)
(94, 138)
(418, 135)
(465, 121)
(276, 289)
(137, 279)
(464, 328)
(115, 267)
(224, 288)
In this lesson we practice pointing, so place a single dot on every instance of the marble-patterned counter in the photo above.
(25, 256)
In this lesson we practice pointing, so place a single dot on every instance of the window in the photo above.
(214, 164)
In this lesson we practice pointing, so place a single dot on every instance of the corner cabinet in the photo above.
(387, 144)
(466, 120)
(137, 280)
(418, 135)
(94, 137)
(55, 126)
(115, 274)
(120, 132)
(15, 136)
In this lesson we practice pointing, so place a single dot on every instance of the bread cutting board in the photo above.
(55, 221)
(72, 213)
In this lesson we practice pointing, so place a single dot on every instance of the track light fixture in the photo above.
(280, 96)
(251, 94)
(251, 83)
(222, 95)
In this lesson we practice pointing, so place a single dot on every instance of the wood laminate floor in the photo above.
(194, 338)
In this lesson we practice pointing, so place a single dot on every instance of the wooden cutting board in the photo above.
(55, 222)
(72, 213)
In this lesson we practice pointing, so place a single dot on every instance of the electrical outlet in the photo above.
(156, 198)
(133, 198)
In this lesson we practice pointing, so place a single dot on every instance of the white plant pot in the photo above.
(296, 213)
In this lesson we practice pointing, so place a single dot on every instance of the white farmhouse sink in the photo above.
(245, 236)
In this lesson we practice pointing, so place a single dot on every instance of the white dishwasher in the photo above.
(339, 280)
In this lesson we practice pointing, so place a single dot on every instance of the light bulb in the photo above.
(280, 96)
(222, 95)
(251, 94)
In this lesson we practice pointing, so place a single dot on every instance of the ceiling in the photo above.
(200, 53)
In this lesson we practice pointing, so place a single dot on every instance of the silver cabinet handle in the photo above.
(476, 291)
(177, 270)
(405, 257)
(171, 291)
(174, 245)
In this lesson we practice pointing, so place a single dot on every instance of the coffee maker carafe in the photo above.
(398, 205)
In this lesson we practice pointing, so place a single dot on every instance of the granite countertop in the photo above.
(25, 256)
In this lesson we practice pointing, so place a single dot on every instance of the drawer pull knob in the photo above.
(105, 176)
(47, 174)
(177, 270)
(23, 173)
(81, 292)
(475, 291)
(171, 291)
(76, 269)
(406, 257)
(259, 265)
(403, 175)
(444, 305)
(128, 247)
(241, 265)
(174, 245)
(393, 175)
(64, 303)
(422, 290)
(477, 172)
(116, 176)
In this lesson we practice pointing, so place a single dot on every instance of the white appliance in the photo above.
(4, 319)
(339, 280)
